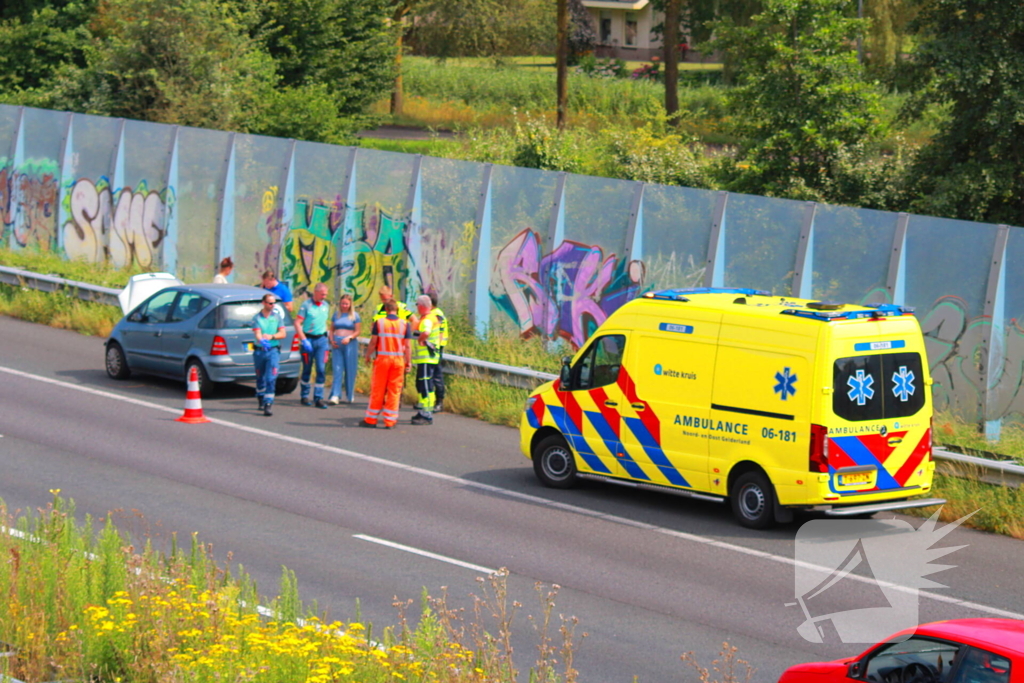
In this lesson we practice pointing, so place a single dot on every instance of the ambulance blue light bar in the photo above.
(680, 294)
(873, 312)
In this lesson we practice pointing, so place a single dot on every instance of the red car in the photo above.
(957, 651)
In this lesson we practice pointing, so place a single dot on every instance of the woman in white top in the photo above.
(226, 266)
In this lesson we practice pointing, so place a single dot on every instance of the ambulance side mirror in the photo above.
(566, 374)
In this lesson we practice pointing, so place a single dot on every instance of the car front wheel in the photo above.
(553, 463)
(117, 364)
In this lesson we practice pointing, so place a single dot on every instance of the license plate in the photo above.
(855, 478)
(249, 346)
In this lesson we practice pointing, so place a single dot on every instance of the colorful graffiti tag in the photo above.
(369, 251)
(567, 293)
(957, 351)
(28, 203)
(122, 226)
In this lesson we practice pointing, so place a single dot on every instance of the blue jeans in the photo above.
(344, 360)
(267, 363)
(319, 357)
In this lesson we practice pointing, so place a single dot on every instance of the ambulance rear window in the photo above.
(878, 387)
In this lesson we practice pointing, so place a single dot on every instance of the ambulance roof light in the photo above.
(680, 294)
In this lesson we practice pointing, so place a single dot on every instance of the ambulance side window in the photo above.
(599, 365)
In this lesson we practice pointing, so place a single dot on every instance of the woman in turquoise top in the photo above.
(345, 327)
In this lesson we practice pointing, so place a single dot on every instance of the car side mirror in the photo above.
(566, 374)
(853, 670)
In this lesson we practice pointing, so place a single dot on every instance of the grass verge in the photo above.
(999, 509)
(86, 602)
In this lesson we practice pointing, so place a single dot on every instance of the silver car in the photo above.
(206, 326)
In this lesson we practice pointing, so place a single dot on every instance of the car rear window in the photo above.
(237, 315)
(878, 387)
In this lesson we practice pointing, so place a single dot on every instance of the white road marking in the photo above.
(528, 498)
(424, 553)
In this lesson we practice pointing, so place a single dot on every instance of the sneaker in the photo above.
(305, 402)
(366, 424)
(420, 420)
(334, 400)
(439, 406)
(350, 399)
(320, 404)
(267, 412)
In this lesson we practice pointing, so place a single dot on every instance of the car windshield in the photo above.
(238, 315)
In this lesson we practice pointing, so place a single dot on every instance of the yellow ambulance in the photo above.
(771, 403)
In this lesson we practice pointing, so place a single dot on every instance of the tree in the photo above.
(562, 64)
(582, 36)
(484, 28)
(345, 45)
(671, 42)
(973, 60)
(174, 61)
(801, 99)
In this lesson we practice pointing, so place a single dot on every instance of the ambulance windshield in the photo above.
(878, 387)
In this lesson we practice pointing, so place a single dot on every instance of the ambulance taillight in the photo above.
(818, 457)
(928, 439)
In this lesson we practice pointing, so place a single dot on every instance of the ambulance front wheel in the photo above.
(553, 463)
(753, 500)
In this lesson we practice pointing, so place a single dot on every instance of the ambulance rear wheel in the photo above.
(554, 463)
(753, 500)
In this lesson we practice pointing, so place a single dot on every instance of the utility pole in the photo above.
(860, 32)
(671, 36)
(562, 61)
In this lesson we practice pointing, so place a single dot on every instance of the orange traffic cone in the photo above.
(193, 403)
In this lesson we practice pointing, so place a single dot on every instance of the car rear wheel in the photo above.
(753, 500)
(553, 463)
(285, 385)
(206, 387)
(117, 364)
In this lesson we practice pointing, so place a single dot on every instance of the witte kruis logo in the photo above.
(858, 581)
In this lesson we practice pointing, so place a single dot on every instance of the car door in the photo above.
(589, 416)
(179, 333)
(143, 332)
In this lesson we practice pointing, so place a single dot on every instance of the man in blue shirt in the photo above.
(278, 289)
(268, 326)
(311, 328)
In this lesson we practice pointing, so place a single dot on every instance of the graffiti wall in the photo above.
(122, 226)
(28, 203)
(567, 293)
(479, 236)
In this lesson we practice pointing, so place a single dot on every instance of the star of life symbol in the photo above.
(860, 387)
(785, 383)
(903, 383)
(880, 564)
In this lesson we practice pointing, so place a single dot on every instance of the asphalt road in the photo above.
(373, 516)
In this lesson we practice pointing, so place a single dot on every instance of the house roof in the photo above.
(631, 5)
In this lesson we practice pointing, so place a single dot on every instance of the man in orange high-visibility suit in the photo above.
(389, 340)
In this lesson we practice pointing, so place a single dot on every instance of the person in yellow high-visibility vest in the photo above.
(385, 296)
(425, 357)
(439, 376)
(389, 341)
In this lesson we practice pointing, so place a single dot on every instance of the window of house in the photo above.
(606, 27)
(631, 29)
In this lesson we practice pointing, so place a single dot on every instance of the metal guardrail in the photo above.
(947, 462)
(52, 283)
(972, 467)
